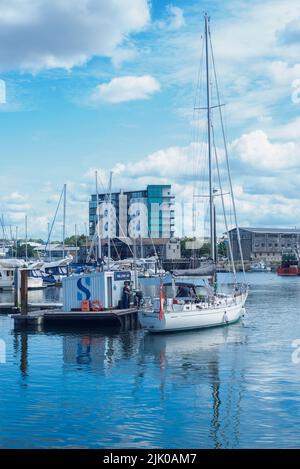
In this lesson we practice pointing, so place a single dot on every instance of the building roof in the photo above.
(56, 248)
(146, 241)
(270, 230)
(136, 191)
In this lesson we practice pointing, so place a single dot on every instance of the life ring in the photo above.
(97, 305)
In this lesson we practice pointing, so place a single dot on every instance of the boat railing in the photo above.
(150, 303)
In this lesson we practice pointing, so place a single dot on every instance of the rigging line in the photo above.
(195, 129)
(223, 206)
(117, 220)
(54, 218)
(3, 229)
(227, 162)
(114, 245)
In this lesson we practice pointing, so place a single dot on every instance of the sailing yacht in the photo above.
(191, 299)
(7, 273)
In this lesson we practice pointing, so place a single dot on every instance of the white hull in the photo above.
(6, 285)
(35, 283)
(193, 316)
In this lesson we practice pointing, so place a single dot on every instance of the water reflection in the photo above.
(222, 388)
(194, 358)
(174, 362)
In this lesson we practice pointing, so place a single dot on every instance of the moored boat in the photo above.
(290, 265)
(259, 267)
(186, 306)
(193, 299)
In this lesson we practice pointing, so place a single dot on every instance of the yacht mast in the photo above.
(26, 240)
(99, 253)
(211, 195)
(109, 221)
(64, 217)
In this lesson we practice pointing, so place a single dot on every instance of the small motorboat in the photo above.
(259, 267)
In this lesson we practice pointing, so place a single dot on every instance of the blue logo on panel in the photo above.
(83, 289)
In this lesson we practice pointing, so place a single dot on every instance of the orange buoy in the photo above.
(85, 306)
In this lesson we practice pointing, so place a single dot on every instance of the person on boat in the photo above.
(126, 296)
(183, 291)
(138, 298)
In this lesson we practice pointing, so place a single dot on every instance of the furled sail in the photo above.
(204, 270)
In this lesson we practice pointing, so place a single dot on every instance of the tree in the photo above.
(22, 250)
(188, 253)
(222, 249)
(71, 240)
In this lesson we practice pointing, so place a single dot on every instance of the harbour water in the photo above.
(231, 387)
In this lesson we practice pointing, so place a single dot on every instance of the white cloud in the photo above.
(289, 130)
(256, 149)
(53, 33)
(14, 197)
(127, 88)
(176, 17)
(2, 92)
(283, 73)
(291, 32)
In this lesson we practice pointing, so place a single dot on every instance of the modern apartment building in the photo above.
(146, 213)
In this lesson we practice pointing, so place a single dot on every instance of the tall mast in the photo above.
(76, 243)
(211, 195)
(182, 218)
(49, 241)
(16, 241)
(64, 217)
(109, 223)
(98, 217)
(26, 240)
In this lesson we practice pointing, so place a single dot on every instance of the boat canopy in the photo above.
(202, 271)
(11, 263)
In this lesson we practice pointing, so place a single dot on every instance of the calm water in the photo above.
(232, 387)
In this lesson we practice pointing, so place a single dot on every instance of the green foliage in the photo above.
(22, 250)
(203, 251)
(188, 253)
(222, 249)
(71, 240)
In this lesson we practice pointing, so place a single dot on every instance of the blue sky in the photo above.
(110, 85)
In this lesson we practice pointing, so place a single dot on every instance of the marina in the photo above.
(149, 236)
(95, 387)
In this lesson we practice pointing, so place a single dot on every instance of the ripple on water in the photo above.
(230, 387)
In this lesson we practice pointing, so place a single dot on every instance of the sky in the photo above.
(92, 84)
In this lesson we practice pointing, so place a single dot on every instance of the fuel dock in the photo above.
(89, 299)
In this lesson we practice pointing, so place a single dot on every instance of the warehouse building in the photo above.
(264, 243)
